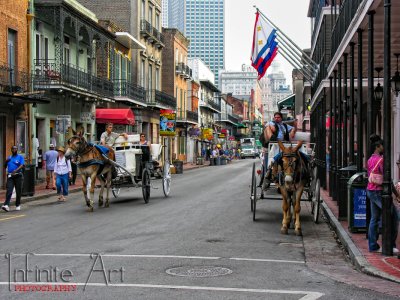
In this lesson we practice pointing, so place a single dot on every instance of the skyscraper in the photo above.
(203, 22)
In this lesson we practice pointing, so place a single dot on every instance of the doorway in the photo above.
(2, 149)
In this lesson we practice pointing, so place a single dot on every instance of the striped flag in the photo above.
(265, 46)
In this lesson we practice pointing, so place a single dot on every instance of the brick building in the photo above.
(14, 79)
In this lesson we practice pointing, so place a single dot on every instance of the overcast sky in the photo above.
(289, 15)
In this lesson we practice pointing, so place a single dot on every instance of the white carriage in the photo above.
(137, 165)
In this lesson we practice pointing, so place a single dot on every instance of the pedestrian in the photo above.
(50, 158)
(15, 178)
(63, 172)
(374, 194)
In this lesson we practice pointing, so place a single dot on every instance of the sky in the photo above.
(289, 15)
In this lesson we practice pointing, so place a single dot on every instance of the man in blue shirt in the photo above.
(14, 164)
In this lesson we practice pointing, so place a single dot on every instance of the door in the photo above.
(12, 35)
(2, 149)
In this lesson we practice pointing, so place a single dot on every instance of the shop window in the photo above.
(22, 137)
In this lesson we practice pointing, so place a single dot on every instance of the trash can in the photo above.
(223, 160)
(28, 188)
(344, 175)
(200, 161)
(212, 161)
(178, 164)
(218, 161)
(357, 204)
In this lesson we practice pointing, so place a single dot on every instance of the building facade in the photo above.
(203, 22)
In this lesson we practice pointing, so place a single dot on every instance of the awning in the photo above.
(241, 125)
(115, 115)
(287, 103)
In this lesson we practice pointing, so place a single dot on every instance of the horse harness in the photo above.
(292, 164)
(91, 161)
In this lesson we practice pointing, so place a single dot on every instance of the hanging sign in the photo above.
(63, 122)
(167, 122)
(87, 116)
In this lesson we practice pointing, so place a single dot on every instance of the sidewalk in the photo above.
(387, 267)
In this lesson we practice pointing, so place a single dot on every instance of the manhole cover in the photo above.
(199, 271)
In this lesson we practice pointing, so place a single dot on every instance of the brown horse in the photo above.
(291, 184)
(92, 164)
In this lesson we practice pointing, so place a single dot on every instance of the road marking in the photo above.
(169, 256)
(13, 217)
(308, 295)
(269, 260)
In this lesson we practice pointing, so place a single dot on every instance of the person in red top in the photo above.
(374, 194)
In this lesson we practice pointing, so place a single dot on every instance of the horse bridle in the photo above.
(291, 163)
(83, 144)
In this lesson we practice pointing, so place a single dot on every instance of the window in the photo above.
(142, 73)
(158, 22)
(38, 46)
(46, 49)
(150, 78)
(66, 50)
(158, 79)
(150, 15)
(143, 9)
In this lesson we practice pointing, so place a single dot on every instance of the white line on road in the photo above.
(166, 256)
(308, 295)
(270, 260)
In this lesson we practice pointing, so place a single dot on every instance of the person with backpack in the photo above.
(63, 172)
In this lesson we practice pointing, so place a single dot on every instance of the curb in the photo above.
(356, 257)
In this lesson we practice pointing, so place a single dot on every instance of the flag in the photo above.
(265, 46)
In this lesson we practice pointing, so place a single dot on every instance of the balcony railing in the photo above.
(49, 74)
(346, 14)
(14, 81)
(187, 115)
(228, 117)
(145, 28)
(317, 14)
(214, 105)
(160, 99)
(123, 88)
(159, 37)
(192, 116)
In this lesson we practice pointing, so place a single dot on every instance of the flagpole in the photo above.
(296, 55)
(298, 60)
(301, 70)
(268, 20)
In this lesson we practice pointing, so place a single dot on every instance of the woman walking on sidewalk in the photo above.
(63, 172)
(374, 194)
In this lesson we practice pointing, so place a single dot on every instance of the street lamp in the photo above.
(395, 81)
(378, 91)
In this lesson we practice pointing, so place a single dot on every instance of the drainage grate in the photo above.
(199, 271)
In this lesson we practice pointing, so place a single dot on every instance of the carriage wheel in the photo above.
(316, 201)
(146, 185)
(253, 174)
(166, 179)
(254, 184)
(115, 191)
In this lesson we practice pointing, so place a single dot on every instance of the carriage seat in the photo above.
(155, 150)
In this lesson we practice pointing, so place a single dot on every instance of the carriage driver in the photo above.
(108, 137)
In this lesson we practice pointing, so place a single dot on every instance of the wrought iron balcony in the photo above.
(178, 69)
(187, 116)
(49, 74)
(145, 28)
(214, 105)
(346, 14)
(159, 38)
(13, 81)
(123, 88)
(229, 118)
(160, 99)
(210, 104)
(316, 13)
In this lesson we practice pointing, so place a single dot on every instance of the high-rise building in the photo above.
(164, 13)
(203, 22)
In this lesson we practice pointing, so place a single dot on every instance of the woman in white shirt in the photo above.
(63, 171)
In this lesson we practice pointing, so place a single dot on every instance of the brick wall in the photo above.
(13, 16)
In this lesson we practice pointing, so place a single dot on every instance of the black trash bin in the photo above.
(344, 175)
(357, 204)
(178, 164)
(28, 188)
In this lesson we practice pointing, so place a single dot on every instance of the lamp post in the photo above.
(202, 137)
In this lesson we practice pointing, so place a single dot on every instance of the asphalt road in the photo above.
(200, 243)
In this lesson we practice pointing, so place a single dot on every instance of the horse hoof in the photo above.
(100, 203)
(90, 209)
(284, 230)
(298, 232)
(107, 204)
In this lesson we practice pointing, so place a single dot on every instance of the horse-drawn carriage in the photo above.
(295, 177)
(136, 165)
(128, 164)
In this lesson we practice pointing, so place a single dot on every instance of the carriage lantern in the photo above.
(395, 81)
(378, 91)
